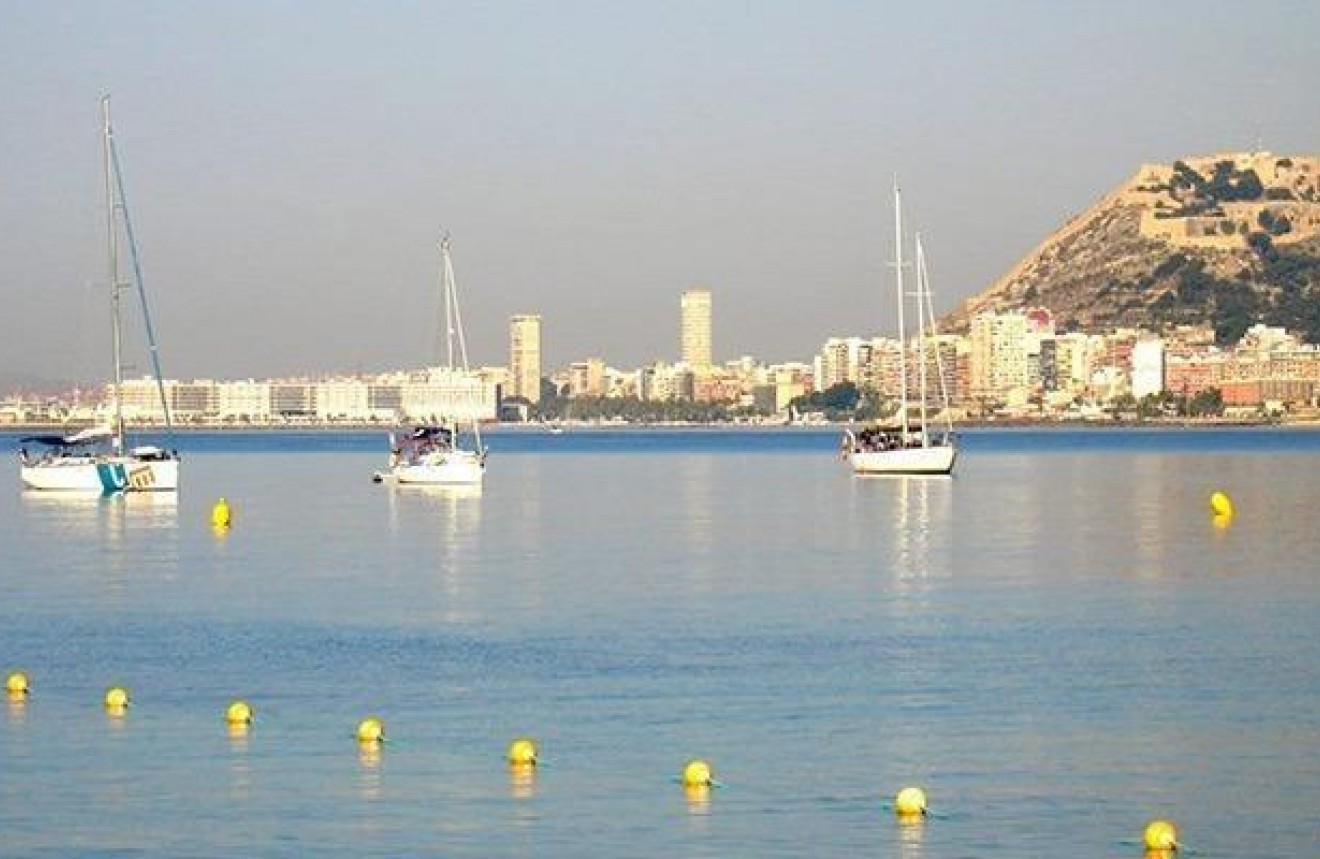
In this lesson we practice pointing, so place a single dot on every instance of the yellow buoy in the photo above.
(16, 684)
(1161, 835)
(116, 698)
(1221, 505)
(221, 516)
(910, 801)
(371, 730)
(697, 773)
(522, 752)
(239, 713)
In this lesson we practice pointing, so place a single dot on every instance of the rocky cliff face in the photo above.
(1224, 241)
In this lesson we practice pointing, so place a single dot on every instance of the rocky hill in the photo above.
(1224, 241)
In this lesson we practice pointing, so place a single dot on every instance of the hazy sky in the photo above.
(290, 164)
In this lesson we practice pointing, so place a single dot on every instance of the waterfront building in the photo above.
(525, 357)
(342, 400)
(384, 398)
(619, 383)
(881, 366)
(941, 371)
(139, 399)
(716, 386)
(998, 360)
(695, 329)
(662, 382)
(1074, 356)
(448, 393)
(244, 401)
(1187, 375)
(293, 400)
(1147, 367)
(587, 378)
(790, 382)
(842, 359)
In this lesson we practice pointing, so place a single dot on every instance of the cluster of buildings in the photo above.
(1009, 363)
(1018, 364)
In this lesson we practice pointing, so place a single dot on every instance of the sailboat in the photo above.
(98, 459)
(435, 455)
(908, 445)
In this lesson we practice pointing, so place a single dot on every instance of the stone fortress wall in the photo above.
(1227, 225)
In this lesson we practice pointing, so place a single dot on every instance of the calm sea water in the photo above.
(1057, 644)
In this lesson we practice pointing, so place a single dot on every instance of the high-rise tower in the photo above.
(694, 328)
(525, 357)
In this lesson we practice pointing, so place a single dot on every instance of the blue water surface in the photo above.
(1058, 643)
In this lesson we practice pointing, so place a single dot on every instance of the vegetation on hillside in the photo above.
(1280, 288)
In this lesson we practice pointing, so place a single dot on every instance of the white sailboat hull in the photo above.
(103, 474)
(908, 460)
(452, 468)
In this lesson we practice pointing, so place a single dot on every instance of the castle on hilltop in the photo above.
(1219, 201)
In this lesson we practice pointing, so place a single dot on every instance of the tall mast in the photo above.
(902, 334)
(921, 335)
(935, 348)
(454, 323)
(120, 206)
(112, 244)
(447, 294)
(453, 316)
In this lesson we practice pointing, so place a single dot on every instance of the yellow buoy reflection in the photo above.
(522, 780)
(698, 773)
(522, 751)
(698, 797)
(371, 731)
(16, 684)
(1160, 835)
(911, 831)
(369, 755)
(1221, 521)
(1220, 504)
(910, 802)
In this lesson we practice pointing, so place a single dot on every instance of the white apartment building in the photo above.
(1147, 367)
(429, 394)
(842, 359)
(998, 354)
(246, 401)
(443, 393)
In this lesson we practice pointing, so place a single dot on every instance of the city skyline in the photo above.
(288, 174)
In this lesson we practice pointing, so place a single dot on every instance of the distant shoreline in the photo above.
(537, 428)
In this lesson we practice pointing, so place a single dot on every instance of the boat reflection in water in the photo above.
(115, 539)
(93, 514)
(459, 503)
